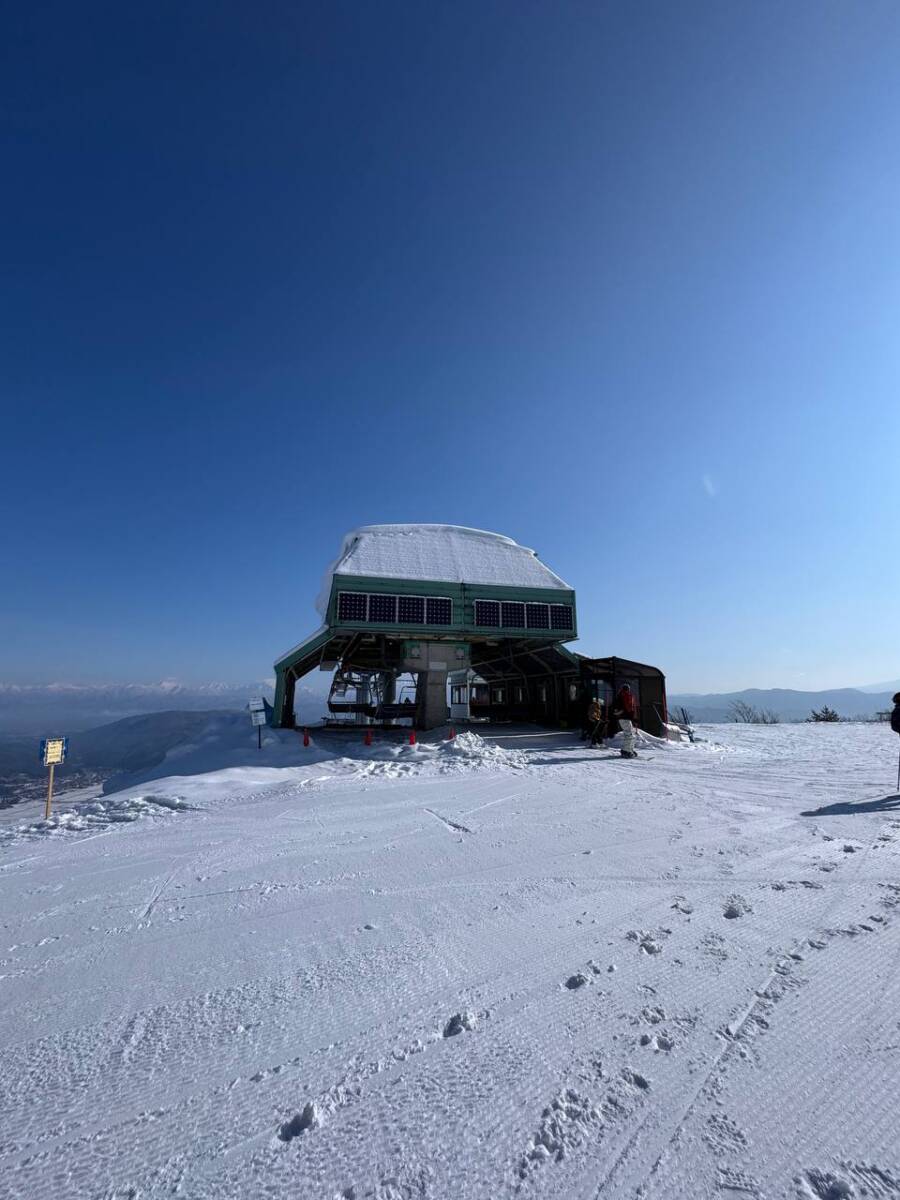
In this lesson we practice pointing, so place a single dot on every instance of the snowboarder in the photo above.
(895, 725)
(625, 712)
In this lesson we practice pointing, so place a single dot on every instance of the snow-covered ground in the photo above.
(501, 969)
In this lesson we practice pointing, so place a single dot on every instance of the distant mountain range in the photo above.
(892, 686)
(788, 704)
(121, 752)
(71, 707)
(39, 709)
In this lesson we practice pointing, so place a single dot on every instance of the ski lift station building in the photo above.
(438, 600)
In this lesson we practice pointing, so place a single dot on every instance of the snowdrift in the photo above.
(94, 816)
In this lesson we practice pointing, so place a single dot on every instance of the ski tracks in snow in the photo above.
(623, 991)
(453, 826)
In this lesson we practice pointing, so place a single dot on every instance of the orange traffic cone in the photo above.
(305, 737)
(412, 737)
(368, 738)
(452, 733)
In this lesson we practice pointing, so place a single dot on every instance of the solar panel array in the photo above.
(375, 608)
(383, 609)
(513, 614)
(438, 610)
(538, 616)
(561, 616)
(353, 606)
(411, 610)
(487, 614)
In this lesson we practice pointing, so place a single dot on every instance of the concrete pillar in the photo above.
(431, 699)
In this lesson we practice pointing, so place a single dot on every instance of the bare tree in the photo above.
(746, 714)
(743, 713)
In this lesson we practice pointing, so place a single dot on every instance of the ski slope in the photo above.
(514, 968)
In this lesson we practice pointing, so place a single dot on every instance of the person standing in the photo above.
(895, 715)
(625, 712)
(593, 722)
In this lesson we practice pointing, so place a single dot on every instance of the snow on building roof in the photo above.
(443, 553)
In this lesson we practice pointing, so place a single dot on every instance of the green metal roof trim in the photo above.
(314, 642)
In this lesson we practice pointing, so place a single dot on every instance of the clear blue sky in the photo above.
(619, 280)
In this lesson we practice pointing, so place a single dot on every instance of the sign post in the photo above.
(53, 751)
(257, 708)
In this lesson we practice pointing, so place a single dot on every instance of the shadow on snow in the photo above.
(845, 809)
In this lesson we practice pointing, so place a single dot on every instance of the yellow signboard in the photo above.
(54, 751)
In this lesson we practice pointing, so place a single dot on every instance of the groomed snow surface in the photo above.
(488, 969)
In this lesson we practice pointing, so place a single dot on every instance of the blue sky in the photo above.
(618, 280)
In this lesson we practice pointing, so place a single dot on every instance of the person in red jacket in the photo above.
(625, 711)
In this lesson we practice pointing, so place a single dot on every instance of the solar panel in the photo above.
(487, 613)
(383, 609)
(352, 606)
(561, 616)
(411, 610)
(538, 616)
(438, 610)
(513, 615)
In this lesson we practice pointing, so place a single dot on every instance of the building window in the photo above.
(458, 694)
(438, 610)
(383, 609)
(487, 614)
(520, 694)
(411, 610)
(498, 695)
(538, 616)
(352, 606)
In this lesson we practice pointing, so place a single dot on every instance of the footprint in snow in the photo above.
(732, 1179)
(309, 1118)
(648, 943)
(578, 980)
(458, 1022)
(823, 1185)
(636, 1079)
(652, 1014)
(735, 906)
(661, 1041)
